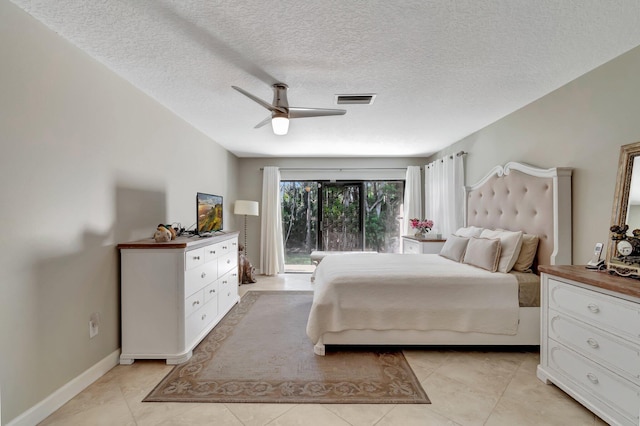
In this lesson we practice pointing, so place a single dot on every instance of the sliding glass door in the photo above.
(339, 216)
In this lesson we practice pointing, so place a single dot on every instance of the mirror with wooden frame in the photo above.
(623, 250)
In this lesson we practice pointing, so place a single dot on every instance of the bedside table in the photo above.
(414, 245)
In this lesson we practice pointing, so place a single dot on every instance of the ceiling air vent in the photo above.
(362, 99)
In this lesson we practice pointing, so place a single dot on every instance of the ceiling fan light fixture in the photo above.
(280, 125)
(281, 112)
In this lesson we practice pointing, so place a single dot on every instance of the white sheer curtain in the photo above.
(271, 245)
(444, 194)
(412, 198)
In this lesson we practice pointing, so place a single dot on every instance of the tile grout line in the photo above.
(503, 391)
(280, 415)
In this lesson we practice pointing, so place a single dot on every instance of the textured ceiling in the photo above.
(441, 69)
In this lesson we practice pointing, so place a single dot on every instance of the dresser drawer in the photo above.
(229, 246)
(196, 279)
(233, 278)
(620, 355)
(212, 252)
(193, 303)
(233, 245)
(198, 321)
(211, 292)
(227, 263)
(411, 247)
(228, 289)
(600, 383)
(193, 258)
(610, 313)
(229, 281)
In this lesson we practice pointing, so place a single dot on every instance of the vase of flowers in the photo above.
(422, 227)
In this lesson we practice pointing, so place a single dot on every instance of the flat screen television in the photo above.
(209, 208)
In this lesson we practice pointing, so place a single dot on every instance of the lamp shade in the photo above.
(249, 208)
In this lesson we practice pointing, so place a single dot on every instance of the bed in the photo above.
(427, 299)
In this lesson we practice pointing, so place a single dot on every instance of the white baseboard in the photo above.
(50, 404)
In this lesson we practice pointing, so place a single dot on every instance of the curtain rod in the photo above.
(339, 168)
(457, 154)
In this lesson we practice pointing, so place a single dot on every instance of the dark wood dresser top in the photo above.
(180, 242)
(601, 279)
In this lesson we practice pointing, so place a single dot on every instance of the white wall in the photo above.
(581, 125)
(87, 161)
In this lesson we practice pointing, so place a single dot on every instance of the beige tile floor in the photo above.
(466, 387)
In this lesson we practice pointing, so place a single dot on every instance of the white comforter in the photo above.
(410, 292)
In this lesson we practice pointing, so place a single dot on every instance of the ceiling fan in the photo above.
(281, 112)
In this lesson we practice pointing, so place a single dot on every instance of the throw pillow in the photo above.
(511, 243)
(527, 253)
(454, 248)
(483, 253)
(469, 231)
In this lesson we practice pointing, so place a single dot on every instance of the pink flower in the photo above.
(423, 225)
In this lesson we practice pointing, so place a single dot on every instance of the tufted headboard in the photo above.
(519, 197)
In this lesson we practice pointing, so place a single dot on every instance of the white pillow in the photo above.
(483, 253)
(470, 231)
(454, 248)
(511, 243)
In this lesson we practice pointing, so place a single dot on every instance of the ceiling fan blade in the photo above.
(263, 122)
(295, 112)
(267, 105)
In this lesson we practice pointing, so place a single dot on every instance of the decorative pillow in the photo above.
(454, 248)
(511, 243)
(527, 253)
(483, 253)
(470, 231)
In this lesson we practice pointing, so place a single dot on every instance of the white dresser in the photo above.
(590, 345)
(174, 293)
(426, 246)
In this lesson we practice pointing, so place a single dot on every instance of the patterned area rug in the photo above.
(260, 353)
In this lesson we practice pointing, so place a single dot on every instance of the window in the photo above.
(339, 216)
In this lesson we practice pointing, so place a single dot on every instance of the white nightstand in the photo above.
(414, 245)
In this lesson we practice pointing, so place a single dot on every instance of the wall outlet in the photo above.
(94, 325)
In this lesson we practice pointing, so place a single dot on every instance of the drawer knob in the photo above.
(593, 308)
(197, 302)
(204, 274)
(229, 294)
(224, 247)
(204, 316)
(196, 257)
(592, 378)
(224, 282)
(593, 343)
(228, 260)
(213, 290)
(212, 252)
